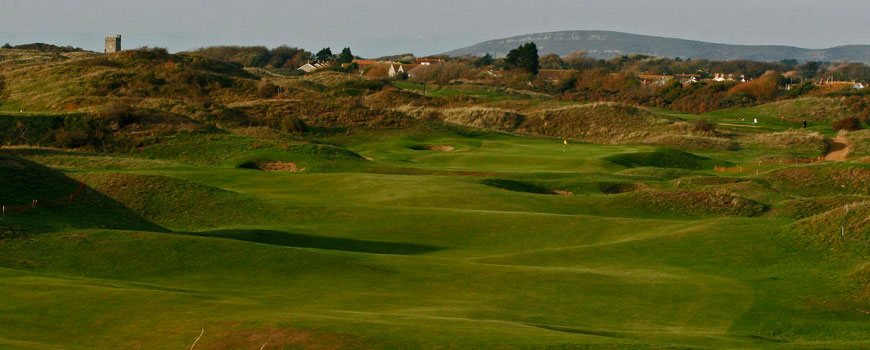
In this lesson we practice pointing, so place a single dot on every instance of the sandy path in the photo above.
(839, 149)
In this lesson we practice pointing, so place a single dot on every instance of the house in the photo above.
(393, 71)
(858, 86)
(430, 61)
(401, 69)
(308, 67)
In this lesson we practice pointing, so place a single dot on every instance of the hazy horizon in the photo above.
(378, 28)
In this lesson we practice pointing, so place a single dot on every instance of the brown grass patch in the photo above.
(280, 167)
(443, 148)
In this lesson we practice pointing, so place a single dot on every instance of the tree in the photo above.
(324, 55)
(524, 57)
(484, 61)
(7, 46)
(345, 56)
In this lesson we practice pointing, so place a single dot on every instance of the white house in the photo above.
(308, 68)
(394, 72)
(858, 86)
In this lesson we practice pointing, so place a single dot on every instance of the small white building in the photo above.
(394, 72)
(858, 86)
(308, 68)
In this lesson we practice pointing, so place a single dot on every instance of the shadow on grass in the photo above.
(287, 239)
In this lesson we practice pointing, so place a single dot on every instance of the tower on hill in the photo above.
(113, 44)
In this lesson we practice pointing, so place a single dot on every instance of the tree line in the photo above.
(280, 57)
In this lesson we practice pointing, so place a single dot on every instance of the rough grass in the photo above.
(860, 143)
(845, 228)
(823, 179)
(606, 123)
(793, 140)
(817, 109)
(806, 207)
(694, 142)
(694, 203)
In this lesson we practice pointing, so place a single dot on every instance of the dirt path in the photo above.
(838, 149)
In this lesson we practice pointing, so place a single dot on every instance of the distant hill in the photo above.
(606, 44)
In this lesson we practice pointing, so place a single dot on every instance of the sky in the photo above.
(374, 28)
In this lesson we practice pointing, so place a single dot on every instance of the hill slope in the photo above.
(606, 44)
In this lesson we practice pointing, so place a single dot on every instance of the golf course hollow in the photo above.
(289, 167)
(442, 148)
(522, 186)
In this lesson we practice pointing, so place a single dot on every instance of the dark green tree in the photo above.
(524, 57)
(325, 55)
(7, 46)
(345, 56)
(486, 60)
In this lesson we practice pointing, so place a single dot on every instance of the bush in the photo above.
(293, 125)
(848, 124)
(704, 125)
(267, 89)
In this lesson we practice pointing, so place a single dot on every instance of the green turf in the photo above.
(423, 249)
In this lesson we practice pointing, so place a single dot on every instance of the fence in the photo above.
(741, 169)
(42, 204)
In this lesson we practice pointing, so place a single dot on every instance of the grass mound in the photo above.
(793, 140)
(806, 207)
(235, 151)
(24, 181)
(656, 173)
(809, 108)
(693, 203)
(860, 143)
(821, 179)
(134, 74)
(607, 123)
(179, 204)
(111, 128)
(485, 118)
(689, 141)
(665, 158)
(388, 98)
(846, 228)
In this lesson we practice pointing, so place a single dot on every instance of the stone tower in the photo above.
(113, 44)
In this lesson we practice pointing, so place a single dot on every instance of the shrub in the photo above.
(704, 125)
(848, 124)
(293, 124)
(267, 89)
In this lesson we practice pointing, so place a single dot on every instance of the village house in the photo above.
(308, 67)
